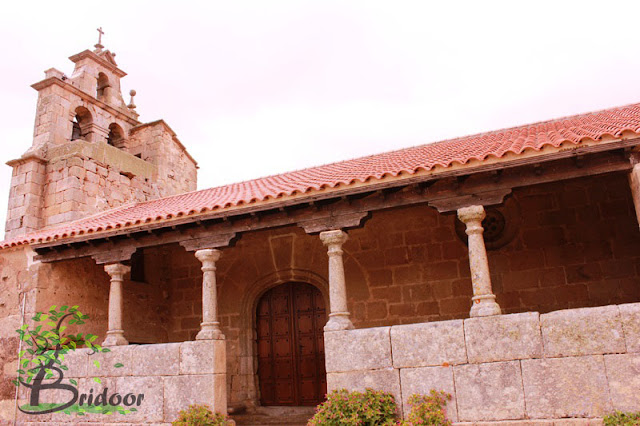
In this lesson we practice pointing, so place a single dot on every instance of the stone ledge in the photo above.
(503, 337)
(584, 331)
(368, 349)
(167, 359)
(105, 154)
(428, 344)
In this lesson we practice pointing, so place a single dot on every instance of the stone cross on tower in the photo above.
(99, 46)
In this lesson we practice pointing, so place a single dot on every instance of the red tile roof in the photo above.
(441, 155)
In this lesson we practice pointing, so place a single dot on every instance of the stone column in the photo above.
(115, 334)
(210, 327)
(484, 301)
(339, 316)
(634, 183)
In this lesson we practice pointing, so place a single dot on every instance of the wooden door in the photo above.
(290, 321)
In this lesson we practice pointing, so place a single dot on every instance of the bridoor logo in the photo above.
(41, 368)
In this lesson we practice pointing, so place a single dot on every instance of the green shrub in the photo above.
(200, 415)
(622, 419)
(344, 408)
(428, 409)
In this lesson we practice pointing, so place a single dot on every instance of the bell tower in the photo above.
(89, 151)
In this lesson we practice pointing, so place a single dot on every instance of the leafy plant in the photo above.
(622, 419)
(428, 409)
(344, 408)
(200, 415)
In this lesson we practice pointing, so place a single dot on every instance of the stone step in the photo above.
(275, 416)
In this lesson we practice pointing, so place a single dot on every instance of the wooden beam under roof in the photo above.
(438, 193)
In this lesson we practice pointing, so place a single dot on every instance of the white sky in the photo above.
(254, 88)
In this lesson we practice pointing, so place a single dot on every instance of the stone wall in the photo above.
(15, 279)
(171, 376)
(577, 363)
(158, 144)
(80, 178)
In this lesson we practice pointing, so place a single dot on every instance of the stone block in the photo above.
(181, 391)
(85, 386)
(108, 360)
(423, 380)
(203, 357)
(428, 344)
(566, 387)
(503, 337)
(577, 422)
(363, 349)
(156, 360)
(76, 362)
(586, 331)
(630, 314)
(623, 374)
(387, 380)
(511, 423)
(489, 391)
(151, 408)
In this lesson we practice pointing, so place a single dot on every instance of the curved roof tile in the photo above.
(573, 130)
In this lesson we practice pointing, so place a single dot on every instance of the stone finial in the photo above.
(132, 105)
(99, 45)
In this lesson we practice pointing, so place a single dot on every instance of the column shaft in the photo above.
(339, 316)
(210, 327)
(634, 183)
(115, 333)
(484, 301)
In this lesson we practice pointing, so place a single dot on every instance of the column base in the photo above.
(339, 321)
(115, 338)
(484, 306)
(210, 331)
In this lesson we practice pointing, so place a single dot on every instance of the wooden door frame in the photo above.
(248, 335)
(268, 358)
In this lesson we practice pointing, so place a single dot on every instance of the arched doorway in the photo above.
(289, 324)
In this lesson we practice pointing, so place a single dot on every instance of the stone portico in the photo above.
(512, 283)
(405, 275)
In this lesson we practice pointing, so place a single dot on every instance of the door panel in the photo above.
(290, 321)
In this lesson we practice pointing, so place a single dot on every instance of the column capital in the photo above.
(336, 236)
(116, 270)
(471, 214)
(208, 255)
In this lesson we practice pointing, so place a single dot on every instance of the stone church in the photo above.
(503, 268)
